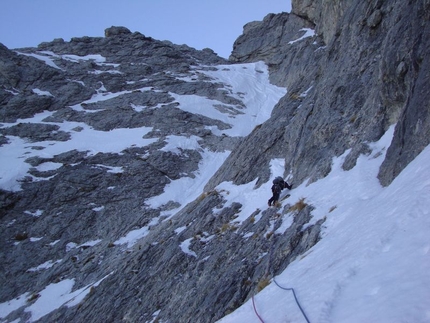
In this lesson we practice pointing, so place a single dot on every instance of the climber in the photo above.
(278, 185)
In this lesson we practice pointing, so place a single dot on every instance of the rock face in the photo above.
(80, 220)
(89, 220)
(364, 70)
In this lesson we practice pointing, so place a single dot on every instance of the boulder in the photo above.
(116, 31)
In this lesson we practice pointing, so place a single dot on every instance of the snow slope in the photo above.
(373, 262)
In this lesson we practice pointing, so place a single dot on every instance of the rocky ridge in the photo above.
(86, 212)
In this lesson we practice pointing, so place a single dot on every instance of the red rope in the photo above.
(255, 310)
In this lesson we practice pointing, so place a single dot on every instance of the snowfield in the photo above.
(373, 261)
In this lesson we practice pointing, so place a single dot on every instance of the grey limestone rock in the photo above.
(74, 206)
(357, 80)
(348, 82)
(115, 31)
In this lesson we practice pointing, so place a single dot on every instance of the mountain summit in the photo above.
(135, 173)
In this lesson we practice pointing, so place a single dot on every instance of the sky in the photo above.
(371, 265)
(214, 24)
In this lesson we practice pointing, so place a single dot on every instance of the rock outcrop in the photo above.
(363, 70)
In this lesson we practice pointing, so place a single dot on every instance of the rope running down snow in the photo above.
(284, 288)
(255, 310)
(295, 297)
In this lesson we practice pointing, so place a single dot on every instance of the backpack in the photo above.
(281, 183)
(278, 181)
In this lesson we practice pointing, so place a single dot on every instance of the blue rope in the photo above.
(284, 288)
(269, 262)
(295, 297)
